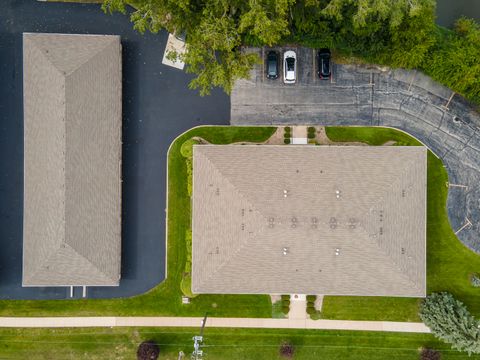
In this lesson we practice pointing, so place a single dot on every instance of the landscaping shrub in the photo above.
(187, 152)
(286, 141)
(311, 310)
(475, 280)
(287, 350)
(311, 298)
(450, 321)
(454, 60)
(287, 135)
(286, 302)
(187, 148)
(285, 309)
(148, 350)
(287, 129)
(430, 354)
(285, 297)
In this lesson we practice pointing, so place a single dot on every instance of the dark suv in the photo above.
(323, 58)
(272, 65)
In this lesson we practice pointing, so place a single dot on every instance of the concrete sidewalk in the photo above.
(51, 322)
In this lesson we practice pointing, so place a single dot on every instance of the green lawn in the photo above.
(369, 135)
(232, 344)
(165, 299)
(449, 262)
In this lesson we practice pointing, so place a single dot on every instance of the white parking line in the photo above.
(413, 78)
(457, 185)
(468, 223)
(450, 99)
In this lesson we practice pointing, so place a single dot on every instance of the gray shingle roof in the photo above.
(309, 219)
(72, 163)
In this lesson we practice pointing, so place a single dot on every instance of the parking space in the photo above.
(306, 66)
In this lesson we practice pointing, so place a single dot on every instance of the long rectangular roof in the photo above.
(72, 159)
(333, 220)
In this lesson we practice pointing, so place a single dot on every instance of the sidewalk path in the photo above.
(388, 326)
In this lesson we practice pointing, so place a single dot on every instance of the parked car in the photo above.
(272, 65)
(323, 58)
(289, 67)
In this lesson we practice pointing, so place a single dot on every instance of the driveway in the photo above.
(157, 106)
(357, 95)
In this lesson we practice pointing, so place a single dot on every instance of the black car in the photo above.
(272, 65)
(323, 58)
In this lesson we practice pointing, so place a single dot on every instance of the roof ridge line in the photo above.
(90, 58)
(34, 43)
(76, 252)
(382, 198)
(88, 260)
(237, 191)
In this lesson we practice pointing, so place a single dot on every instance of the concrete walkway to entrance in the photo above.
(298, 307)
(71, 322)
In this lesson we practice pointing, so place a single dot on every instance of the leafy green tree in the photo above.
(455, 62)
(215, 29)
(450, 321)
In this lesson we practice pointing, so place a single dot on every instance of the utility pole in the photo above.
(197, 341)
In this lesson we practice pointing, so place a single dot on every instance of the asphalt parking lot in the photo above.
(369, 96)
(157, 107)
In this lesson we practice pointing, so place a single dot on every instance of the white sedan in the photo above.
(289, 67)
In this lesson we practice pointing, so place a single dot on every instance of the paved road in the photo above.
(157, 106)
(357, 95)
(387, 326)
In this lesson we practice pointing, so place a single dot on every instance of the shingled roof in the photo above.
(72, 159)
(333, 220)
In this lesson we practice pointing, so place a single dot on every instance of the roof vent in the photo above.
(285, 251)
(285, 193)
(337, 251)
(338, 193)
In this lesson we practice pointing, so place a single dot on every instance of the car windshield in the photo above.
(290, 64)
(325, 66)
(272, 68)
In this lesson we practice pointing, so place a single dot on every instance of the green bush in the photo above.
(311, 136)
(454, 60)
(311, 298)
(188, 163)
(285, 309)
(286, 141)
(287, 129)
(285, 297)
(187, 148)
(475, 280)
(287, 135)
(311, 310)
(286, 302)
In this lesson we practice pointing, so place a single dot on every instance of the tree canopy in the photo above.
(217, 29)
(450, 321)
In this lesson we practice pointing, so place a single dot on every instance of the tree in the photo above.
(215, 29)
(450, 321)
(455, 60)
(287, 350)
(148, 350)
(430, 354)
